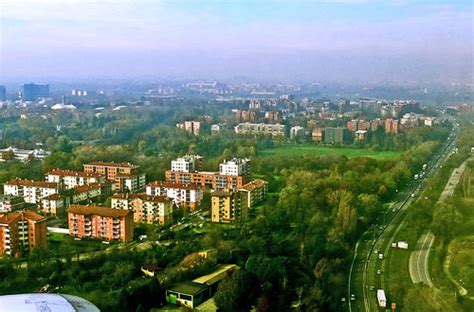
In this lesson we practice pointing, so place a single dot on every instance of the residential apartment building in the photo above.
(214, 180)
(70, 179)
(391, 126)
(133, 183)
(145, 208)
(218, 128)
(245, 115)
(296, 131)
(255, 191)
(334, 135)
(317, 135)
(193, 127)
(187, 196)
(111, 169)
(54, 204)
(188, 163)
(260, 129)
(124, 175)
(235, 167)
(31, 191)
(9, 203)
(21, 231)
(228, 206)
(99, 222)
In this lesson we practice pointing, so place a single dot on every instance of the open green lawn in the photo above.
(295, 150)
(61, 245)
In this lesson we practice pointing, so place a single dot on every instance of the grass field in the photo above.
(317, 150)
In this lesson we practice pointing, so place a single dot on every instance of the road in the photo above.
(418, 264)
(366, 271)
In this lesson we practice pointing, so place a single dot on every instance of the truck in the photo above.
(402, 245)
(382, 300)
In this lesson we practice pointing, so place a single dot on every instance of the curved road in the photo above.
(418, 265)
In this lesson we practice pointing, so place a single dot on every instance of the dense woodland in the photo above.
(296, 251)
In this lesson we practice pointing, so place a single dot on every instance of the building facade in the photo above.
(205, 179)
(188, 163)
(99, 222)
(235, 167)
(260, 129)
(145, 208)
(255, 191)
(31, 191)
(21, 232)
(228, 206)
(187, 196)
(71, 179)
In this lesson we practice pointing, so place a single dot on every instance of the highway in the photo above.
(367, 269)
(418, 264)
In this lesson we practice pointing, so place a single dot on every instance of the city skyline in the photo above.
(342, 40)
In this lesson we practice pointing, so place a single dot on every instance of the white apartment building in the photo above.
(71, 179)
(187, 196)
(31, 191)
(260, 129)
(235, 167)
(188, 163)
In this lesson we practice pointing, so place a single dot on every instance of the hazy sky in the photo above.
(314, 40)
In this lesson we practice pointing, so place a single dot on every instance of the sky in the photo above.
(343, 41)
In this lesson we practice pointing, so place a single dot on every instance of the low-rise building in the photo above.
(21, 231)
(145, 208)
(255, 191)
(31, 191)
(186, 196)
(228, 206)
(218, 128)
(11, 153)
(99, 222)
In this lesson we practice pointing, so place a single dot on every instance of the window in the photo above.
(186, 297)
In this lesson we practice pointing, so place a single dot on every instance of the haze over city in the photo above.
(344, 41)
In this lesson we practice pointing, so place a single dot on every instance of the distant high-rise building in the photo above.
(3, 93)
(32, 91)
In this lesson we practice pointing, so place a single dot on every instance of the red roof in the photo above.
(8, 218)
(173, 185)
(99, 211)
(75, 173)
(144, 197)
(21, 182)
(112, 164)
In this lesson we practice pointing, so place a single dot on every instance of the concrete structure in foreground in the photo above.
(146, 209)
(21, 231)
(192, 293)
(45, 302)
(99, 222)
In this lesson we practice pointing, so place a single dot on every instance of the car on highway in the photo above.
(379, 272)
(353, 297)
(380, 256)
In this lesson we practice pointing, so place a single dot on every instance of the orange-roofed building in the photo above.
(21, 231)
(99, 222)
(186, 196)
